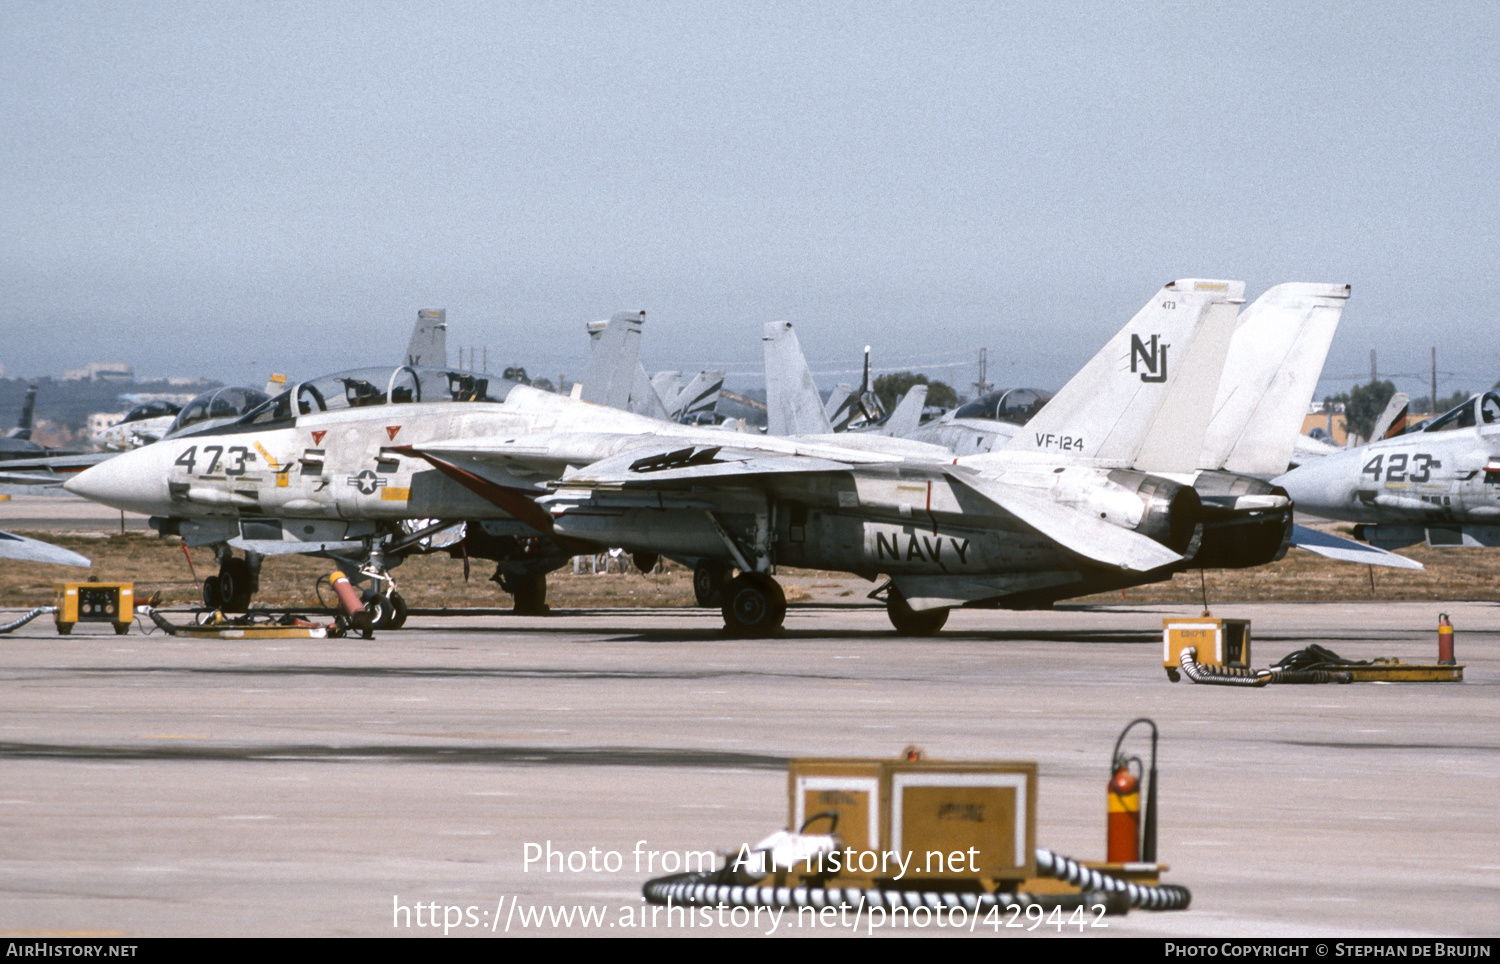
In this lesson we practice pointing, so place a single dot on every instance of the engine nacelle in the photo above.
(1170, 512)
(1247, 522)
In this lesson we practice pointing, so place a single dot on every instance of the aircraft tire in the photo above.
(380, 611)
(236, 586)
(398, 610)
(754, 605)
(531, 596)
(213, 595)
(912, 622)
(708, 583)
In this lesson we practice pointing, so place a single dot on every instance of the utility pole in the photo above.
(982, 387)
(1374, 377)
(1434, 380)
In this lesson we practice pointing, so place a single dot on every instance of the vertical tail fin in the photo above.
(429, 339)
(1275, 359)
(908, 414)
(1393, 421)
(840, 407)
(28, 409)
(700, 395)
(610, 373)
(1145, 399)
(668, 386)
(793, 406)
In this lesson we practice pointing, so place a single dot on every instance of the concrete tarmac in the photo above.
(154, 786)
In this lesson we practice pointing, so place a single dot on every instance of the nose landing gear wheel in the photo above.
(235, 586)
(913, 622)
(398, 610)
(380, 611)
(754, 605)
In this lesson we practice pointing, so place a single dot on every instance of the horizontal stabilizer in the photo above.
(1075, 531)
(34, 550)
(1347, 550)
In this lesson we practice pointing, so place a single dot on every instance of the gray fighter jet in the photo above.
(1439, 485)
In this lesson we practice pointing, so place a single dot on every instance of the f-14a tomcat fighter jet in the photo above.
(1440, 484)
(1106, 487)
(368, 466)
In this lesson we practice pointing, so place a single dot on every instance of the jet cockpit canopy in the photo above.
(1479, 409)
(219, 405)
(1014, 406)
(157, 408)
(365, 387)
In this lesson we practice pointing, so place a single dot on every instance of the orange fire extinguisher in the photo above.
(1124, 824)
(1445, 640)
(1130, 834)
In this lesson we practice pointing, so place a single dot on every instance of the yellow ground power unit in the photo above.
(924, 823)
(95, 602)
(1219, 642)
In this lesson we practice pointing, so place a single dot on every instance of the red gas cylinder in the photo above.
(1123, 838)
(1445, 640)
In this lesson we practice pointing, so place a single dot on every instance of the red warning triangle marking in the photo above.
(318, 437)
(391, 431)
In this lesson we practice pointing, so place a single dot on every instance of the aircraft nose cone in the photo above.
(1323, 486)
(131, 481)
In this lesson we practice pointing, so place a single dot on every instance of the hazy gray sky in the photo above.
(233, 189)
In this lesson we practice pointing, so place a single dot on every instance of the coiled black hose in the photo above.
(1220, 675)
(38, 611)
(711, 889)
(1239, 676)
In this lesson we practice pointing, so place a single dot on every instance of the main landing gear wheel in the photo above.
(213, 596)
(913, 622)
(708, 582)
(754, 605)
(236, 586)
(530, 593)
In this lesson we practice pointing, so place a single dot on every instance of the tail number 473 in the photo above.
(1396, 468)
(234, 463)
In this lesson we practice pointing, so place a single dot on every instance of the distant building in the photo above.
(99, 421)
(101, 372)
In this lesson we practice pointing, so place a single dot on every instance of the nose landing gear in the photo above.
(233, 588)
